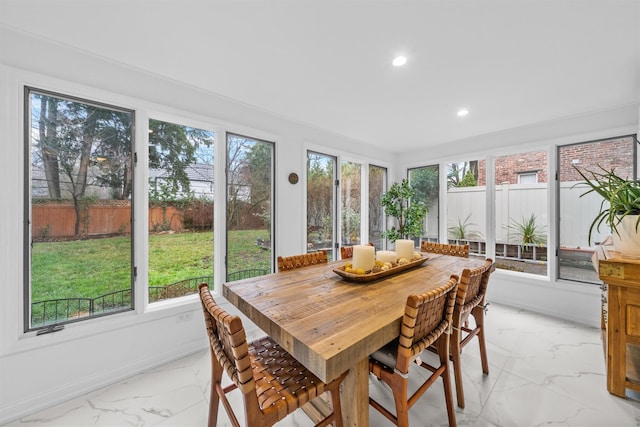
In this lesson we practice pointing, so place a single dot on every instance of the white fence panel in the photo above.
(468, 202)
(576, 215)
(515, 203)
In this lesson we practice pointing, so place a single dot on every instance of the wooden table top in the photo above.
(328, 323)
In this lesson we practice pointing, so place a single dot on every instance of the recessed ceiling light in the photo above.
(463, 112)
(399, 61)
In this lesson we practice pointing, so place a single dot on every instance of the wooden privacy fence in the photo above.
(105, 217)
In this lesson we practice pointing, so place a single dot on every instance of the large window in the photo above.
(321, 202)
(79, 174)
(521, 212)
(576, 212)
(377, 187)
(466, 205)
(249, 207)
(426, 182)
(180, 209)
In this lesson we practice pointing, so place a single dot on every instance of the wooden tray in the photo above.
(370, 277)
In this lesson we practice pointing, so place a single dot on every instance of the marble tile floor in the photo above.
(543, 371)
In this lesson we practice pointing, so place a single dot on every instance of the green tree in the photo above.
(399, 202)
(468, 180)
(70, 134)
(457, 171)
(172, 149)
(425, 182)
(113, 157)
(249, 182)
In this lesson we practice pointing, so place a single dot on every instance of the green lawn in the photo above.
(89, 268)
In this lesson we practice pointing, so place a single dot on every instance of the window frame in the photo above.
(272, 144)
(436, 167)
(184, 122)
(534, 174)
(27, 208)
(635, 167)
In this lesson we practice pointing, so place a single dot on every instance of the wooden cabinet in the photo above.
(621, 323)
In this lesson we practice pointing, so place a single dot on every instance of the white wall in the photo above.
(38, 371)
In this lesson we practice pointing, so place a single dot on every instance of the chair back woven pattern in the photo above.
(228, 342)
(304, 260)
(426, 318)
(473, 286)
(346, 252)
(445, 249)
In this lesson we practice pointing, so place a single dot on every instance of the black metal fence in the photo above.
(246, 274)
(65, 310)
(178, 289)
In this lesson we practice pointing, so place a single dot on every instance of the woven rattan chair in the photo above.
(470, 300)
(347, 251)
(304, 260)
(445, 249)
(272, 382)
(426, 321)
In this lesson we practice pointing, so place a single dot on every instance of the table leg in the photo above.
(616, 359)
(354, 394)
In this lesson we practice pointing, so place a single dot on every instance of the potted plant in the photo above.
(409, 213)
(619, 209)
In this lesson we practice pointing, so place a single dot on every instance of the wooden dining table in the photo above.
(331, 324)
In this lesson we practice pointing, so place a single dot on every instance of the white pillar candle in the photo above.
(404, 249)
(363, 256)
(387, 256)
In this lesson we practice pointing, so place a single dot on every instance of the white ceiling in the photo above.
(328, 63)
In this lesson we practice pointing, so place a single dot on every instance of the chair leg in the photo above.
(401, 398)
(478, 315)
(456, 336)
(443, 352)
(214, 399)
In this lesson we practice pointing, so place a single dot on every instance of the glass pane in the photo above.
(521, 212)
(466, 208)
(320, 202)
(426, 182)
(350, 191)
(249, 207)
(180, 209)
(377, 187)
(577, 213)
(80, 171)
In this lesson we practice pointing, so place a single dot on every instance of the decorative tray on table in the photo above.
(370, 277)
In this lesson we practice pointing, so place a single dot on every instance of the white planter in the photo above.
(628, 242)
